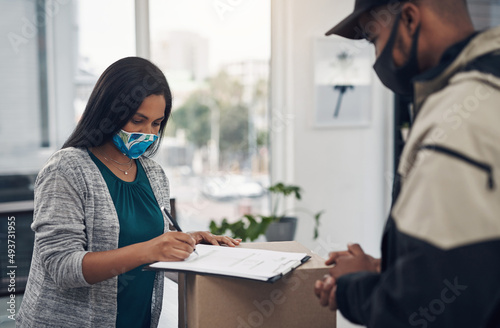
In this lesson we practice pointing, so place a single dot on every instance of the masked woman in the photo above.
(97, 217)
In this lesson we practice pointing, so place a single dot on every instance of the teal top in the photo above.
(140, 220)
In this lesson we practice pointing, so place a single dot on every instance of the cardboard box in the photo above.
(223, 302)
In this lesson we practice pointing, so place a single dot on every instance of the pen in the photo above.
(174, 222)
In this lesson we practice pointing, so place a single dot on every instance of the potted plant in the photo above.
(276, 226)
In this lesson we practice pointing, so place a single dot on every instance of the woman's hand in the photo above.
(206, 237)
(170, 246)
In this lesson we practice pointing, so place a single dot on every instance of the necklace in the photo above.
(124, 171)
(130, 163)
(110, 159)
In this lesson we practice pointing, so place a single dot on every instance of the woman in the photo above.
(97, 217)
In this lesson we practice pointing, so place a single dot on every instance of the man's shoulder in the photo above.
(470, 98)
(463, 116)
(488, 64)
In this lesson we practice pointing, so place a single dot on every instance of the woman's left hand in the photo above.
(206, 237)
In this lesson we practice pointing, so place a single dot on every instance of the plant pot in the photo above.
(282, 230)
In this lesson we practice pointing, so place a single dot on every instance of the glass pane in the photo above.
(106, 33)
(21, 132)
(216, 58)
(51, 58)
(485, 13)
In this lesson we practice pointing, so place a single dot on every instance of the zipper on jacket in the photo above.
(482, 166)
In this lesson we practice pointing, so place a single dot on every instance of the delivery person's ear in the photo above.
(410, 19)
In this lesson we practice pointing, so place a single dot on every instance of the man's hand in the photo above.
(325, 291)
(352, 260)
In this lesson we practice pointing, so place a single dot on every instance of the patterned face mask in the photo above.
(134, 144)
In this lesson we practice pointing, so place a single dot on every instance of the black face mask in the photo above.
(398, 79)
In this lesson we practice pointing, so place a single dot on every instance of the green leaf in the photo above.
(253, 230)
(277, 188)
(317, 216)
(266, 221)
(239, 230)
(250, 218)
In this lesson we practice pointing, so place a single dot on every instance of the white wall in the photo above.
(345, 171)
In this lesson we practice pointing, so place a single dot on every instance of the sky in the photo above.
(236, 29)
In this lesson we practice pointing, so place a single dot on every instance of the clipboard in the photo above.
(245, 263)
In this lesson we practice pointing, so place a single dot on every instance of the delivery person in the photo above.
(441, 245)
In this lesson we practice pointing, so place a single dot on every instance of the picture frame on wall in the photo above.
(342, 82)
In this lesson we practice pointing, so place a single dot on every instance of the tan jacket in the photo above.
(441, 244)
(446, 200)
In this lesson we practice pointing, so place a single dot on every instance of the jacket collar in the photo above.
(473, 47)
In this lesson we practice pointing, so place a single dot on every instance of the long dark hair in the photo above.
(117, 95)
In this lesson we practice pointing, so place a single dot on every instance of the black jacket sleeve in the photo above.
(426, 287)
(359, 286)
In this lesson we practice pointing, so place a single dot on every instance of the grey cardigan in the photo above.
(74, 214)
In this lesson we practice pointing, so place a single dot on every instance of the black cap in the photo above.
(347, 27)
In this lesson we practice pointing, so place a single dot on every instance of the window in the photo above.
(105, 35)
(24, 127)
(485, 13)
(50, 60)
(216, 58)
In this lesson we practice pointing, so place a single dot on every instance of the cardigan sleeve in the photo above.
(60, 235)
